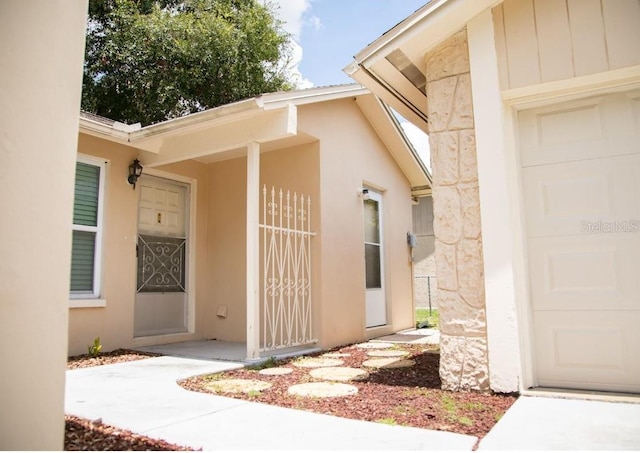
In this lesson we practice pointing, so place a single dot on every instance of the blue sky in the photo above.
(328, 33)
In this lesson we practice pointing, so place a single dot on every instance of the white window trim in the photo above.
(84, 299)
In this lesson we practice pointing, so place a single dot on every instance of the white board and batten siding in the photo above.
(541, 41)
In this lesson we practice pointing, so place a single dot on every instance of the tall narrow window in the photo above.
(87, 228)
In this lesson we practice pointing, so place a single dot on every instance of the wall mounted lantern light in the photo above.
(135, 170)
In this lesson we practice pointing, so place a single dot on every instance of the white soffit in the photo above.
(413, 37)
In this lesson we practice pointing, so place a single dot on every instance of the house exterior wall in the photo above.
(542, 41)
(294, 169)
(351, 155)
(226, 252)
(40, 98)
(114, 322)
(347, 155)
(457, 223)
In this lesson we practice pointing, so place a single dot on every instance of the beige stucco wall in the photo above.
(349, 160)
(544, 41)
(294, 169)
(348, 155)
(41, 76)
(457, 226)
(114, 322)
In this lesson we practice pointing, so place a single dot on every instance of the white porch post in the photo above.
(253, 254)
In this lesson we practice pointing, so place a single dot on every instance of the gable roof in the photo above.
(270, 119)
(392, 66)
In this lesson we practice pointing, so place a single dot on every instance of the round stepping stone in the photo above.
(375, 345)
(339, 373)
(336, 355)
(384, 353)
(275, 371)
(317, 362)
(322, 389)
(238, 385)
(388, 362)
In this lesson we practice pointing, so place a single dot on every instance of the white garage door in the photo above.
(581, 182)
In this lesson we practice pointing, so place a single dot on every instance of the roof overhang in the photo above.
(386, 125)
(394, 64)
(270, 120)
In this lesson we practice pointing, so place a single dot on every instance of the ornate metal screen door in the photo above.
(161, 292)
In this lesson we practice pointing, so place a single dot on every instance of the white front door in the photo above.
(161, 293)
(581, 183)
(375, 300)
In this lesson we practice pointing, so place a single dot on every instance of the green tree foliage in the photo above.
(151, 60)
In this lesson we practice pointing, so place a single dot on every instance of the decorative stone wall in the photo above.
(456, 223)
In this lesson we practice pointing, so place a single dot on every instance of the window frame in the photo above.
(93, 298)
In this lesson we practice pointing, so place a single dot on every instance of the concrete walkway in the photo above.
(143, 397)
(542, 423)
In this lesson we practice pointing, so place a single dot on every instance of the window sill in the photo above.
(87, 303)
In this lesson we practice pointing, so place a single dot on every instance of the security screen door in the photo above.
(161, 292)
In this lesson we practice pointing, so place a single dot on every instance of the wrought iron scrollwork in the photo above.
(161, 264)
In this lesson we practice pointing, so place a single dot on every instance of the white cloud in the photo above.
(295, 15)
(292, 12)
(420, 141)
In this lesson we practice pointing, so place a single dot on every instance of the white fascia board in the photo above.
(310, 96)
(417, 34)
(428, 26)
(223, 136)
(102, 130)
(393, 37)
(389, 95)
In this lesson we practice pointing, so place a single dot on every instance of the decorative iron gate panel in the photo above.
(161, 264)
(286, 272)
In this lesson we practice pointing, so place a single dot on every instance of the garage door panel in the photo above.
(588, 350)
(576, 197)
(597, 272)
(581, 189)
(590, 128)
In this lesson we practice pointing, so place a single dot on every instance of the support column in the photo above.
(40, 99)
(253, 253)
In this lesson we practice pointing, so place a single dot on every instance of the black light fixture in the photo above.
(135, 170)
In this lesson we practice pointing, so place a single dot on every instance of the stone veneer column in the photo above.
(456, 207)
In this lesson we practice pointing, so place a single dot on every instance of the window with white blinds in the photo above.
(87, 228)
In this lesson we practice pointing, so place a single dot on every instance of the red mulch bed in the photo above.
(402, 396)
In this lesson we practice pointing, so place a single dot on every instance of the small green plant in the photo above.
(449, 404)
(474, 406)
(213, 377)
(387, 421)
(427, 318)
(466, 421)
(253, 393)
(269, 363)
(95, 348)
